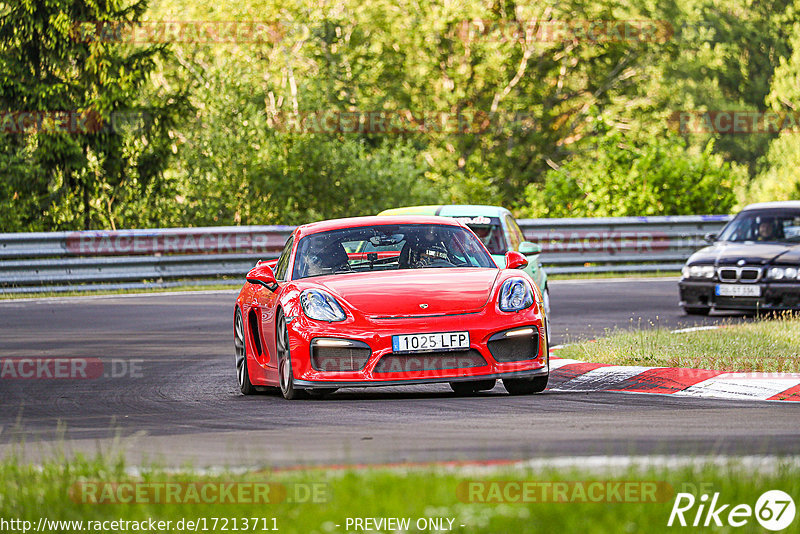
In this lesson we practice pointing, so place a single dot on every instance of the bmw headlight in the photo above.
(320, 306)
(515, 295)
(782, 273)
(698, 271)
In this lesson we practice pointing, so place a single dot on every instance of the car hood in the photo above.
(406, 292)
(725, 253)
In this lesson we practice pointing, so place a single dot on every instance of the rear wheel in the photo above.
(468, 388)
(525, 386)
(240, 354)
(546, 300)
(702, 310)
(285, 374)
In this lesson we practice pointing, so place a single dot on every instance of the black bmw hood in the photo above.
(752, 253)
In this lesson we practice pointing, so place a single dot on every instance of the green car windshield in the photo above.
(489, 231)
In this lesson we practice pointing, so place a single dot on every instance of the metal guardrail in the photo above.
(620, 244)
(62, 261)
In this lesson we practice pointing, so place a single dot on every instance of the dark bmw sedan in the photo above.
(753, 265)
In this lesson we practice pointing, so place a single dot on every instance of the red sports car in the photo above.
(380, 301)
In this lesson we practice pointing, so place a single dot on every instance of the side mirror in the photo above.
(529, 249)
(262, 274)
(271, 263)
(515, 260)
(710, 237)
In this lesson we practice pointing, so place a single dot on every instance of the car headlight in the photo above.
(782, 273)
(321, 306)
(698, 271)
(515, 295)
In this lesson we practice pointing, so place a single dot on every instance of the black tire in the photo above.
(702, 310)
(285, 374)
(471, 387)
(240, 355)
(525, 386)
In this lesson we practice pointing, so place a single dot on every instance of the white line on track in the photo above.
(764, 464)
(758, 464)
(73, 298)
(614, 280)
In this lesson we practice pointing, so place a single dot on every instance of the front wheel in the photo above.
(525, 386)
(285, 373)
(240, 355)
(546, 306)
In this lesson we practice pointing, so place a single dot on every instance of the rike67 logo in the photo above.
(774, 510)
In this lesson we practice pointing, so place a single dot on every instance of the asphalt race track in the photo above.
(171, 395)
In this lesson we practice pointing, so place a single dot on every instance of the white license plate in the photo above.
(430, 342)
(738, 290)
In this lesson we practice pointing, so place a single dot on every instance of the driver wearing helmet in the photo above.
(423, 249)
(431, 254)
(329, 260)
(484, 233)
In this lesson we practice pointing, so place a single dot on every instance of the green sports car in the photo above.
(498, 230)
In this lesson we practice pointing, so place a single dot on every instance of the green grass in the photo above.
(29, 492)
(592, 276)
(767, 344)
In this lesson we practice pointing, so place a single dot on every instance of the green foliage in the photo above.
(71, 179)
(779, 179)
(210, 150)
(315, 500)
(618, 175)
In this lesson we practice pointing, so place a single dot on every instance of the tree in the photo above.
(779, 179)
(71, 179)
(620, 175)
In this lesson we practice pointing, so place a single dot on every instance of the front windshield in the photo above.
(489, 231)
(770, 226)
(387, 248)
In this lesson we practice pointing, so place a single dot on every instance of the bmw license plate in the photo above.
(430, 342)
(737, 290)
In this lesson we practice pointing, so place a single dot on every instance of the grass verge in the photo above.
(765, 345)
(599, 276)
(318, 500)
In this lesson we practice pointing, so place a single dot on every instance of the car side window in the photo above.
(283, 261)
